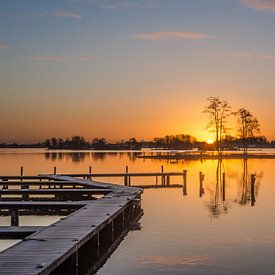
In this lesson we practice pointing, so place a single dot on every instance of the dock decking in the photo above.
(78, 243)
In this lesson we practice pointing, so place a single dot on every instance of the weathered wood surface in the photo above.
(48, 248)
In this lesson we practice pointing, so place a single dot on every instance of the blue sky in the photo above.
(123, 68)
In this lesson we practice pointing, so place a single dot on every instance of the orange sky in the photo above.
(136, 70)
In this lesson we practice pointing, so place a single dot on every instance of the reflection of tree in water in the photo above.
(219, 204)
(96, 156)
(74, 156)
(244, 190)
(100, 156)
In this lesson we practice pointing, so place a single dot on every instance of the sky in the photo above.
(132, 68)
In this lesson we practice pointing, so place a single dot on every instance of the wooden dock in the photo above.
(78, 243)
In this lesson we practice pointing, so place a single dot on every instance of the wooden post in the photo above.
(14, 217)
(126, 177)
(54, 170)
(223, 186)
(184, 182)
(162, 177)
(90, 169)
(168, 180)
(21, 171)
(23, 186)
(253, 179)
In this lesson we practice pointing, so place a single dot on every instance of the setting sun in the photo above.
(210, 141)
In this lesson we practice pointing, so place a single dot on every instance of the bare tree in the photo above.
(248, 126)
(218, 111)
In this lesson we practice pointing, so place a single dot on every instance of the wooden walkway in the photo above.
(76, 243)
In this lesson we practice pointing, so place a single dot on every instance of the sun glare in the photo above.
(210, 141)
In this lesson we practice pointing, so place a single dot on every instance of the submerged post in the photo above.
(184, 182)
(253, 179)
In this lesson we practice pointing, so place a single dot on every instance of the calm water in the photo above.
(219, 232)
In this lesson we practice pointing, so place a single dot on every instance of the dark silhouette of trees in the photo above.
(181, 141)
(248, 125)
(99, 143)
(218, 110)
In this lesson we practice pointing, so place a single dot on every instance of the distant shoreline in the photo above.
(208, 156)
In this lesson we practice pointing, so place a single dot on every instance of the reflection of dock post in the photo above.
(201, 176)
(253, 179)
(223, 186)
(184, 182)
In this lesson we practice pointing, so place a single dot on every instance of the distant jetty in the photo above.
(204, 156)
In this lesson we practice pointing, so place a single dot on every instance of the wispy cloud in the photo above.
(46, 58)
(254, 56)
(60, 58)
(65, 14)
(171, 35)
(269, 56)
(243, 55)
(268, 5)
(117, 4)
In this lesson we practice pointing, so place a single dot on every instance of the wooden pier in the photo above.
(78, 243)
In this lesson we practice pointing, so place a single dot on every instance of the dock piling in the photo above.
(184, 182)
(253, 179)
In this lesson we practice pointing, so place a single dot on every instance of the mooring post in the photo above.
(90, 172)
(168, 180)
(253, 179)
(54, 170)
(23, 186)
(223, 186)
(156, 180)
(162, 177)
(184, 182)
(126, 177)
(14, 217)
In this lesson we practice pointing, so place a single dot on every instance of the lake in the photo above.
(215, 227)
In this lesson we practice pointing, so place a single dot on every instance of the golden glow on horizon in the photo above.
(210, 141)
